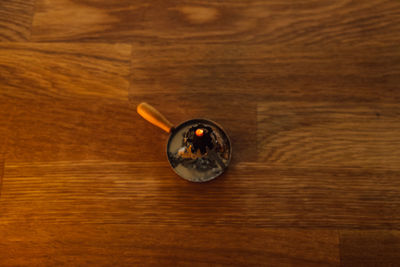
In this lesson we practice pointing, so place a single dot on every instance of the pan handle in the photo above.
(153, 116)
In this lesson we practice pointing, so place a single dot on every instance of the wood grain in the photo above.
(309, 22)
(270, 73)
(370, 248)
(127, 245)
(68, 101)
(248, 195)
(351, 134)
(16, 19)
(64, 70)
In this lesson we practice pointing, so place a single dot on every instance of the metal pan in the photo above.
(198, 150)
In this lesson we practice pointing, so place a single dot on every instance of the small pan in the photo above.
(198, 150)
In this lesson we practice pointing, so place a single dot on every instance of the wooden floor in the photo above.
(309, 92)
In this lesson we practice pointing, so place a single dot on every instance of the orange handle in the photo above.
(154, 117)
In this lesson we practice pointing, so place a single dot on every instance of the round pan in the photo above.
(196, 165)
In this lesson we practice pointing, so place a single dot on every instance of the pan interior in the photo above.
(202, 165)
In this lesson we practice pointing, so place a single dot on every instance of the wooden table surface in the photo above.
(308, 90)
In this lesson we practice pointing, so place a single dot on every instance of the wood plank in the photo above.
(268, 72)
(308, 22)
(70, 101)
(248, 195)
(351, 134)
(370, 248)
(63, 70)
(127, 244)
(16, 19)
